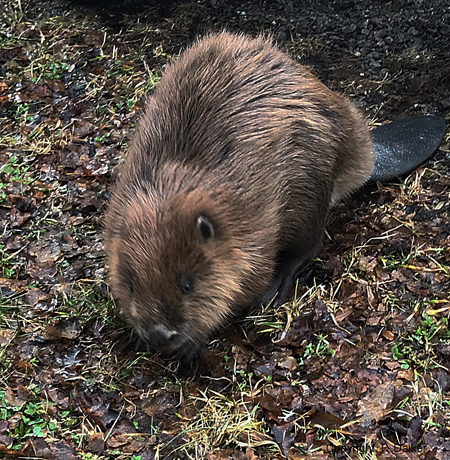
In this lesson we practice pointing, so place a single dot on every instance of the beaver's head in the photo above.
(180, 267)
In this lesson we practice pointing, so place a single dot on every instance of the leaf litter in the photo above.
(356, 366)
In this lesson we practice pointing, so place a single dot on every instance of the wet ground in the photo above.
(355, 367)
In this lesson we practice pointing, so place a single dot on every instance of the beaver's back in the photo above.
(242, 110)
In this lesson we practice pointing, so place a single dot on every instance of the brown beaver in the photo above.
(224, 194)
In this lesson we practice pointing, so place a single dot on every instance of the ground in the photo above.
(355, 366)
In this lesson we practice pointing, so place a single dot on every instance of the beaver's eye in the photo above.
(186, 287)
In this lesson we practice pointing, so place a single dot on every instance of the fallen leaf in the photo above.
(376, 404)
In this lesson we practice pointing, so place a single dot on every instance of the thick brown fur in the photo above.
(249, 142)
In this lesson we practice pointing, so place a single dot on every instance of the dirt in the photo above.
(355, 366)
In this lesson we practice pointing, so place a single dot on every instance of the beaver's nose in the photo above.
(161, 338)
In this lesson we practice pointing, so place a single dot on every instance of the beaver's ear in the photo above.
(204, 227)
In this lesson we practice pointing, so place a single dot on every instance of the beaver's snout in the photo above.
(168, 341)
(161, 338)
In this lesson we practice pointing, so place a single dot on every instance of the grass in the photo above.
(320, 348)
(223, 413)
(15, 172)
(417, 349)
(50, 58)
(13, 13)
(31, 416)
(221, 422)
(84, 300)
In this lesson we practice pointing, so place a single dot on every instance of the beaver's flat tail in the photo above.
(404, 144)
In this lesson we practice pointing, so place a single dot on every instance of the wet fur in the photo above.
(238, 132)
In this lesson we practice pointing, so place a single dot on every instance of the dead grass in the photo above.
(221, 422)
(291, 381)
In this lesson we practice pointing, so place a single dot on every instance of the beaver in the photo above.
(223, 197)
